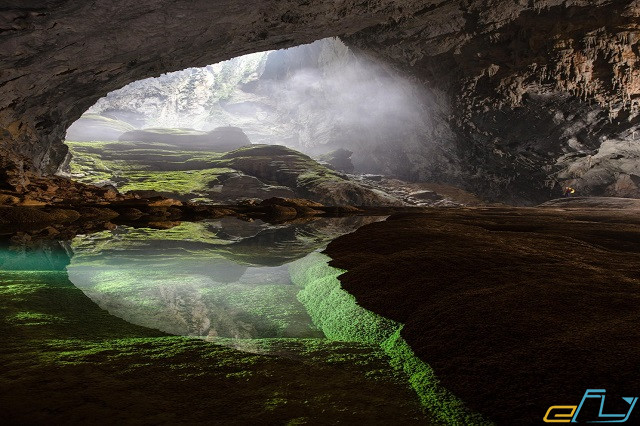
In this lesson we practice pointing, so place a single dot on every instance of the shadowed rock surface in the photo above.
(514, 309)
(286, 167)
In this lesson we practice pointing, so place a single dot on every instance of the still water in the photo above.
(108, 326)
(221, 279)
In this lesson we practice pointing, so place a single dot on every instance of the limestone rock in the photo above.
(244, 186)
(339, 160)
(307, 178)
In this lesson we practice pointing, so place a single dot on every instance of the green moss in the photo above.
(271, 308)
(181, 182)
(79, 360)
(275, 402)
(146, 166)
(33, 318)
(339, 316)
(153, 166)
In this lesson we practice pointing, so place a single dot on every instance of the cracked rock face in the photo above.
(521, 91)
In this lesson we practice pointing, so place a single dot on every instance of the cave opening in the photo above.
(432, 218)
(332, 121)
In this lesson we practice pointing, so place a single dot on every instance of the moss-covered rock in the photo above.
(309, 179)
(188, 171)
(339, 316)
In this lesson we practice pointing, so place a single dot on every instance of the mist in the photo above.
(314, 98)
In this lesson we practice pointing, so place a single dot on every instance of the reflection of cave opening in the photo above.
(169, 135)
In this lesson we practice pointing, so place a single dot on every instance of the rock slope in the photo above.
(191, 168)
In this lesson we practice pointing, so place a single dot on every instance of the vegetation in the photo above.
(196, 182)
(165, 168)
(144, 166)
(337, 313)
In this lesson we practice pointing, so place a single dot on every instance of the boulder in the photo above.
(339, 160)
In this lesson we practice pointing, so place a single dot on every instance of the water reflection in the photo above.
(226, 278)
(40, 256)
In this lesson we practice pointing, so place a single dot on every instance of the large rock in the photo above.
(610, 170)
(339, 159)
(280, 165)
(530, 306)
(244, 186)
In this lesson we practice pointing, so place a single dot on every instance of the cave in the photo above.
(281, 212)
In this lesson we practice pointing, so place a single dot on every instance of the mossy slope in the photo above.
(193, 172)
(339, 316)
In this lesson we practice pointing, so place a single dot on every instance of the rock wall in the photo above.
(514, 85)
(528, 88)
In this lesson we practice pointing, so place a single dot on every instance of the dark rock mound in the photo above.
(243, 186)
(290, 202)
(339, 160)
(515, 309)
(221, 139)
(279, 165)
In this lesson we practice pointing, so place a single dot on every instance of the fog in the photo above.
(314, 98)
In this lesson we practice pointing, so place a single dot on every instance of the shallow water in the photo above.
(111, 301)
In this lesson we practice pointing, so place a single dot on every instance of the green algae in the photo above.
(92, 366)
(339, 316)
